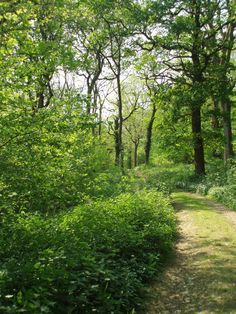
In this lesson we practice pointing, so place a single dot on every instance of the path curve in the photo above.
(202, 276)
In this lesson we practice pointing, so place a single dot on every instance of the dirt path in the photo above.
(202, 276)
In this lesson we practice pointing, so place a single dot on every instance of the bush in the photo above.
(217, 192)
(219, 184)
(165, 178)
(93, 259)
(224, 194)
(56, 164)
(202, 188)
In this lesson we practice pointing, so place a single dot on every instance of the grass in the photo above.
(202, 277)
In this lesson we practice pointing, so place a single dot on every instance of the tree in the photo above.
(134, 123)
(114, 127)
(89, 43)
(183, 37)
(226, 82)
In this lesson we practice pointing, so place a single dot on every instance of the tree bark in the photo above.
(215, 124)
(120, 122)
(117, 141)
(228, 146)
(100, 121)
(135, 154)
(199, 160)
(40, 97)
(229, 39)
(149, 135)
(215, 114)
(92, 78)
(197, 79)
(130, 158)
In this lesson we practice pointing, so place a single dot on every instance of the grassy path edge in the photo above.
(202, 277)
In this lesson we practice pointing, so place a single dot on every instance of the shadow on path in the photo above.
(202, 276)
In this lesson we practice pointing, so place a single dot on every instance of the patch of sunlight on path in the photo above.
(201, 278)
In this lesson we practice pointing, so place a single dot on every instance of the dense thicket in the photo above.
(93, 259)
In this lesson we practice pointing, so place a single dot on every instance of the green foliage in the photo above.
(216, 176)
(96, 257)
(224, 194)
(92, 259)
(219, 184)
(166, 177)
(217, 192)
(52, 161)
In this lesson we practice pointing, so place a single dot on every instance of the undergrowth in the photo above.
(166, 178)
(220, 184)
(93, 259)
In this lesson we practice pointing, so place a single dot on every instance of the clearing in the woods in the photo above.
(201, 278)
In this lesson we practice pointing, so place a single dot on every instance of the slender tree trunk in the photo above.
(90, 90)
(215, 114)
(100, 121)
(40, 97)
(116, 41)
(149, 135)
(120, 123)
(199, 160)
(215, 124)
(135, 154)
(130, 158)
(117, 141)
(89, 100)
(92, 80)
(228, 147)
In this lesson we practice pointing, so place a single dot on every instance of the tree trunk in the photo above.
(129, 158)
(120, 123)
(199, 160)
(215, 114)
(100, 121)
(40, 100)
(135, 154)
(149, 135)
(197, 80)
(228, 146)
(215, 124)
(117, 141)
(229, 40)
(92, 79)
(89, 100)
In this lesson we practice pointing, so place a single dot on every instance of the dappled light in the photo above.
(202, 276)
(117, 138)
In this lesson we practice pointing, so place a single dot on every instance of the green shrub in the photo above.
(56, 164)
(231, 175)
(224, 194)
(219, 184)
(165, 178)
(93, 259)
(202, 188)
(217, 192)
(230, 197)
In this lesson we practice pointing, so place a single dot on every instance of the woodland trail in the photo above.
(202, 276)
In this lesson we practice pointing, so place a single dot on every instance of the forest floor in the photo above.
(201, 278)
